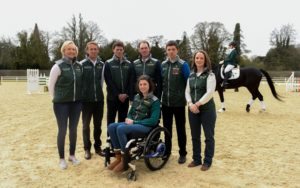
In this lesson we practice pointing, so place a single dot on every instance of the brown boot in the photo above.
(120, 166)
(118, 156)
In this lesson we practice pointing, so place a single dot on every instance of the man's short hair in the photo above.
(91, 42)
(118, 43)
(172, 43)
(143, 41)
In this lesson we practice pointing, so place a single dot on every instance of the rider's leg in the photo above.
(227, 74)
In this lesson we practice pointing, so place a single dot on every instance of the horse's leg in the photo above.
(221, 95)
(261, 100)
(251, 101)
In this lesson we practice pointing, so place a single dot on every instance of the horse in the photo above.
(247, 77)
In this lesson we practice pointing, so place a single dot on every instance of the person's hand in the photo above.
(128, 121)
(194, 108)
(122, 97)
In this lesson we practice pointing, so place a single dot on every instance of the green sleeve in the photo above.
(153, 119)
(233, 58)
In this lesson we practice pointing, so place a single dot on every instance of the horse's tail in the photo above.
(271, 85)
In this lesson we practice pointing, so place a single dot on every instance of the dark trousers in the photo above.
(65, 113)
(114, 106)
(206, 119)
(179, 114)
(89, 110)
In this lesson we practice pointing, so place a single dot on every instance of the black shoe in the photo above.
(87, 155)
(100, 152)
(181, 159)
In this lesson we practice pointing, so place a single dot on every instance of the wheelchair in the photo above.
(151, 147)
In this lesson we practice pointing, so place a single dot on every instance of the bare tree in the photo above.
(211, 37)
(94, 33)
(284, 37)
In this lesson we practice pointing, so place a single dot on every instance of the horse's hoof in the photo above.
(248, 108)
(262, 110)
(221, 110)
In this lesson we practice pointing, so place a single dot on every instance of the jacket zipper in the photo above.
(169, 84)
(144, 67)
(195, 89)
(95, 81)
(74, 76)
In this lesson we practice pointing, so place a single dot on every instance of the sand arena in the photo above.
(252, 149)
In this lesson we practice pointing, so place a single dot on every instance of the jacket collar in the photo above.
(175, 60)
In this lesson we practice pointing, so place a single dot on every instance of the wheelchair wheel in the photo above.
(155, 151)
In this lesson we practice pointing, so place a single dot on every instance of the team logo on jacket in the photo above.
(175, 71)
(66, 69)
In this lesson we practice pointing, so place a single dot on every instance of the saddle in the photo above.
(234, 73)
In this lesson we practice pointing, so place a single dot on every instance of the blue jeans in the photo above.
(118, 133)
(67, 112)
(207, 120)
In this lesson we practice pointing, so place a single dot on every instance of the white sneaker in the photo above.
(63, 164)
(74, 160)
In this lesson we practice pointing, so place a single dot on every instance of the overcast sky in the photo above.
(129, 20)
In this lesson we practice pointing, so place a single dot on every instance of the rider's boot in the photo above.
(225, 81)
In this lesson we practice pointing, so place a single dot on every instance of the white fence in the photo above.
(292, 83)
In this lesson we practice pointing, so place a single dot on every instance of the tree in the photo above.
(157, 47)
(284, 55)
(94, 33)
(130, 52)
(81, 33)
(185, 51)
(106, 51)
(82, 38)
(22, 51)
(7, 53)
(284, 37)
(157, 40)
(211, 37)
(38, 49)
(283, 58)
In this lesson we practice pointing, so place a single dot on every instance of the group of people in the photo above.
(150, 86)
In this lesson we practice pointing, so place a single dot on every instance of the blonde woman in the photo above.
(65, 88)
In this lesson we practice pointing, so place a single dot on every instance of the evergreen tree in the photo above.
(131, 53)
(238, 38)
(7, 54)
(158, 52)
(185, 51)
(38, 50)
(22, 52)
(106, 51)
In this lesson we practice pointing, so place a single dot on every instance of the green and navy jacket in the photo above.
(145, 111)
(92, 80)
(231, 58)
(69, 83)
(119, 78)
(174, 77)
(198, 86)
(152, 68)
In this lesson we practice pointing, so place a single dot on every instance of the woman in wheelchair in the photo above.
(142, 117)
